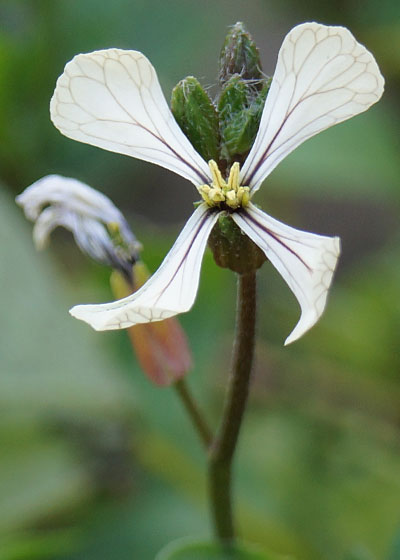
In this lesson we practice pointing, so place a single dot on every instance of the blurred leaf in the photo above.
(53, 373)
(394, 553)
(359, 553)
(39, 477)
(31, 546)
(194, 549)
(140, 526)
(50, 362)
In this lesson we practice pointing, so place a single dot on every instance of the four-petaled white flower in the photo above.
(112, 99)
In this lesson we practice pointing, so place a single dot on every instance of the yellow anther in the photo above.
(218, 180)
(204, 189)
(243, 196)
(113, 227)
(233, 181)
(231, 199)
(231, 193)
(216, 195)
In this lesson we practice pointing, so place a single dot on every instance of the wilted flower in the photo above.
(101, 232)
(112, 99)
(99, 228)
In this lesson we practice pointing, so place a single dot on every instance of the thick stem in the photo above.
(194, 413)
(223, 448)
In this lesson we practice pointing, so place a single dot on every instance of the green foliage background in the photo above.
(95, 462)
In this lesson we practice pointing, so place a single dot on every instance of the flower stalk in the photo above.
(194, 412)
(224, 445)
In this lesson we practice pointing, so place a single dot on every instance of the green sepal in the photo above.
(196, 115)
(232, 248)
(240, 108)
(239, 55)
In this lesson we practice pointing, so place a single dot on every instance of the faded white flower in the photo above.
(112, 99)
(99, 228)
(102, 233)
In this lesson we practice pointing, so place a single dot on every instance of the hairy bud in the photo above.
(196, 115)
(239, 55)
(240, 114)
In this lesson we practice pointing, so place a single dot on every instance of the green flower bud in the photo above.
(239, 55)
(240, 114)
(233, 249)
(196, 115)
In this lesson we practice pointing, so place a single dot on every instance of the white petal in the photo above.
(171, 290)
(48, 220)
(112, 99)
(322, 77)
(70, 194)
(306, 261)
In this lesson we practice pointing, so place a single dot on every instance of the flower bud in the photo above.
(233, 249)
(161, 347)
(239, 55)
(240, 114)
(196, 115)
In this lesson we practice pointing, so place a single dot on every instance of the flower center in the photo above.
(220, 191)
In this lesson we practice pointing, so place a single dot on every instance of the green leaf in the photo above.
(196, 115)
(194, 549)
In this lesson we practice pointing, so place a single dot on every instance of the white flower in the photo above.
(112, 99)
(99, 228)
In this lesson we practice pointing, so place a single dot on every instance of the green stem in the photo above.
(194, 413)
(223, 447)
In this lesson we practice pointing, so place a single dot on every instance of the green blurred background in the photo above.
(96, 463)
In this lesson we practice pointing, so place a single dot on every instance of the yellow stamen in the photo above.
(218, 180)
(230, 192)
(233, 181)
(216, 195)
(231, 197)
